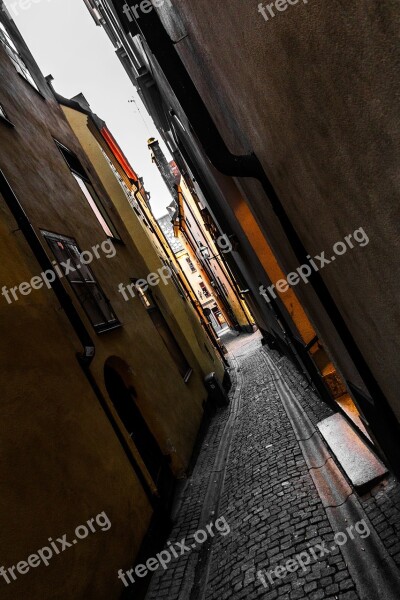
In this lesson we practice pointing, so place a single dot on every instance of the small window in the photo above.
(89, 293)
(191, 265)
(88, 191)
(205, 290)
(94, 204)
(4, 116)
(177, 280)
(165, 333)
(14, 55)
(145, 299)
(223, 286)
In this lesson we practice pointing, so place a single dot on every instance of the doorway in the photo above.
(124, 398)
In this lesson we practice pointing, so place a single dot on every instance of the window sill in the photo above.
(188, 376)
(33, 87)
(116, 240)
(108, 328)
(7, 122)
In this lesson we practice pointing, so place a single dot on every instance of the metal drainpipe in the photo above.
(163, 48)
(87, 355)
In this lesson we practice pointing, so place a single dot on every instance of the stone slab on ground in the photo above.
(359, 463)
(269, 500)
(381, 503)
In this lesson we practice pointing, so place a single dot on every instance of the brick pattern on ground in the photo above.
(272, 506)
(169, 583)
(316, 409)
(381, 504)
(269, 499)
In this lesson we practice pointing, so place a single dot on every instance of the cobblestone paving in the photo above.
(382, 504)
(316, 409)
(172, 582)
(272, 506)
(268, 499)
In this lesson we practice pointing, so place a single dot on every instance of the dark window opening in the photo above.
(191, 265)
(15, 57)
(165, 333)
(124, 401)
(204, 290)
(88, 191)
(89, 293)
(176, 279)
(223, 286)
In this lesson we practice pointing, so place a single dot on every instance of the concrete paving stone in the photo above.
(327, 571)
(326, 581)
(348, 596)
(309, 587)
(332, 589)
(360, 464)
(341, 576)
(386, 534)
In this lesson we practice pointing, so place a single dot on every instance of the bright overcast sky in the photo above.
(66, 42)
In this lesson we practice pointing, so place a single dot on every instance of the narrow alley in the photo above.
(251, 471)
(199, 300)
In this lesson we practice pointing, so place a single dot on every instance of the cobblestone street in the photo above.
(252, 471)
(200, 300)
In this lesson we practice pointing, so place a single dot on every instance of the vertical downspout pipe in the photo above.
(87, 355)
(163, 48)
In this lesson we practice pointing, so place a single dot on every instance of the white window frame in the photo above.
(15, 57)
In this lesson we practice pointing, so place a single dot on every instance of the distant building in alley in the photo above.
(192, 269)
(202, 251)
